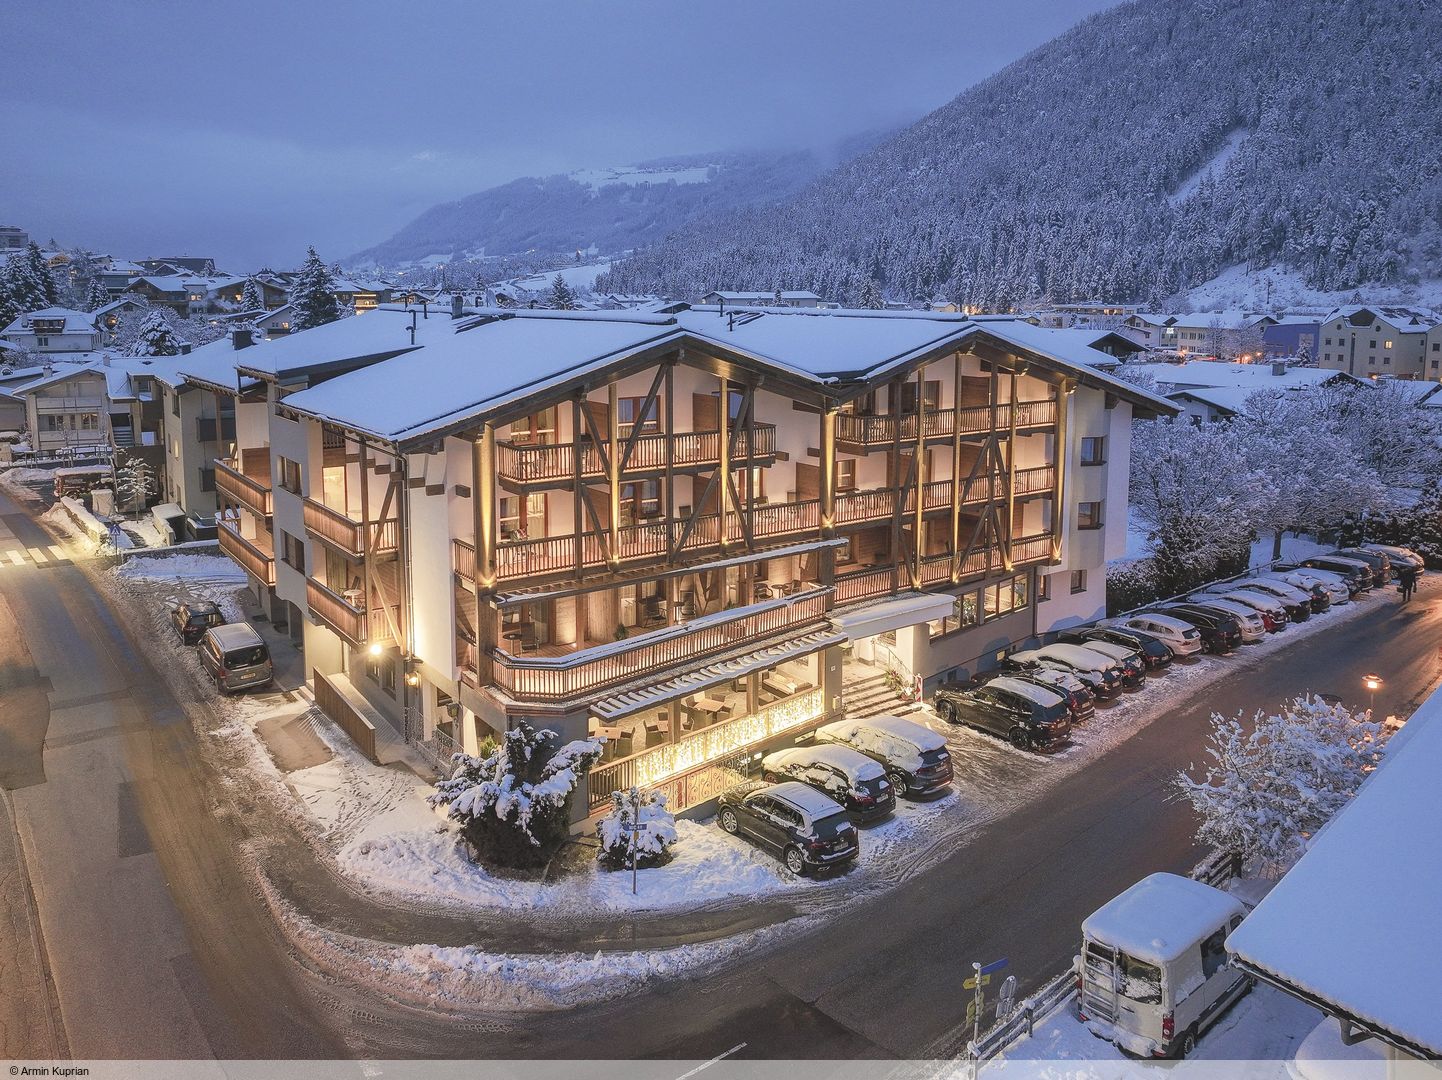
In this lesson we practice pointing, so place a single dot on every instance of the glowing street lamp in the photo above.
(1373, 683)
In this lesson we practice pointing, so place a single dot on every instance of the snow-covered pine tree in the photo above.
(653, 834)
(776, 297)
(1265, 790)
(251, 296)
(562, 298)
(21, 291)
(96, 295)
(42, 275)
(135, 483)
(156, 337)
(313, 293)
(514, 804)
(870, 296)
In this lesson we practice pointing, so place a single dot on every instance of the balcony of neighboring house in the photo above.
(522, 462)
(340, 603)
(245, 481)
(254, 554)
(530, 667)
(858, 433)
(348, 533)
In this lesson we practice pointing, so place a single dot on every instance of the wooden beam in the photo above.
(723, 425)
(669, 495)
(1061, 460)
(956, 470)
(484, 458)
(613, 438)
(577, 524)
(827, 473)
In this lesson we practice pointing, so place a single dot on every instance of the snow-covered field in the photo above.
(1271, 288)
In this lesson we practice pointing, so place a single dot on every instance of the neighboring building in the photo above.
(55, 330)
(196, 265)
(1207, 390)
(188, 295)
(13, 238)
(1293, 335)
(693, 534)
(1379, 980)
(67, 409)
(1369, 341)
(108, 317)
(1433, 349)
(1227, 333)
(12, 407)
(361, 296)
(763, 299)
(118, 275)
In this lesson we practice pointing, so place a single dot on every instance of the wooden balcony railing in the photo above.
(881, 431)
(346, 619)
(238, 489)
(256, 557)
(535, 462)
(1031, 549)
(936, 569)
(349, 535)
(559, 678)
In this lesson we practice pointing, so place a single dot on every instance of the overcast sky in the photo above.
(247, 131)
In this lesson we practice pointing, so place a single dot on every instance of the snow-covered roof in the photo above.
(1073, 346)
(1353, 925)
(1229, 399)
(762, 297)
(854, 764)
(60, 374)
(1404, 320)
(1214, 373)
(1161, 917)
(378, 334)
(75, 322)
(1227, 318)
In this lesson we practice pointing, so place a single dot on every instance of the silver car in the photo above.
(236, 657)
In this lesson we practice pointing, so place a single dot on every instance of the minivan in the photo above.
(236, 657)
(915, 758)
(1154, 972)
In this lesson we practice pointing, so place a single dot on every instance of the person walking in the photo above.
(1407, 581)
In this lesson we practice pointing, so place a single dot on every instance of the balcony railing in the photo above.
(936, 569)
(341, 615)
(881, 431)
(535, 462)
(256, 557)
(239, 489)
(351, 536)
(558, 678)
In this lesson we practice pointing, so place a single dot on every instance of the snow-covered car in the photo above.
(1269, 607)
(1309, 578)
(809, 830)
(915, 758)
(1297, 603)
(1221, 633)
(1321, 597)
(1128, 657)
(1253, 626)
(1357, 573)
(1078, 696)
(1399, 555)
(1154, 968)
(1101, 673)
(1380, 562)
(1182, 638)
(848, 776)
(1154, 652)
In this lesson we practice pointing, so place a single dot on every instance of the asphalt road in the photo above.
(134, 932)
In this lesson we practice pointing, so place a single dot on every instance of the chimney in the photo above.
(241, 339)
(1279, 369)
(185, 348)
(456, 305)
(105, 360)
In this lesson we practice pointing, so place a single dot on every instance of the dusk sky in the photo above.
(161, 128)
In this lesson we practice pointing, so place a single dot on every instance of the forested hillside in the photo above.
(1140, 153)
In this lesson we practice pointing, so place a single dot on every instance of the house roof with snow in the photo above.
(75, 322)
(762, 297)
(1202, 373)
(1404, 320)
(1352, 927)
(502, 358)
(347, 342)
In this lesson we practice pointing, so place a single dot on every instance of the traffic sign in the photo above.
(971, 983)
(995, 965)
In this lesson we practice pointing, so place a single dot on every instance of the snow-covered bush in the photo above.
(514, 804)
(1131, 585)
(1418, 526)
(653, 836)
(1267, 789)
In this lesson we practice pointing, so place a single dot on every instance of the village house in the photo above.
(1225, 334)
(1369, 342)
(55, 330)
(691, 533)
(188, 295)
(1207, 391)
(763, 299)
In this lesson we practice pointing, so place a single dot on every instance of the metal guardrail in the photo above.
(1250, 572)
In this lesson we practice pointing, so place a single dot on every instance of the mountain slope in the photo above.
(612, 210)
(1140, 153)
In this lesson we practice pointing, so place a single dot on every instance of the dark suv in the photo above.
(915, 758)
(1220, 633)
(1380, 562)
(1358, 574)
(192, 620)
(846, 775)
(1027, 716)
(1155, 653)
(810, 831)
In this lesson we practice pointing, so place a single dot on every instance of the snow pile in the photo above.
(186, 567)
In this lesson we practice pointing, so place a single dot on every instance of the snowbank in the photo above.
(184, 566)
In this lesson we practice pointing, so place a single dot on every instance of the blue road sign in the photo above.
(995, 965)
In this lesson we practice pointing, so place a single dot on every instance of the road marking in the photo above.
(708, 1064)
(59, 555)
(37, 555)
(17, 558)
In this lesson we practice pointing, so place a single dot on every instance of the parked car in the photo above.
(1220, 632)
(1154, 652)
(1337, 589)
(1101, 673)
(809, 830)
(1297, 603)
(1027, 716)
(1380, 562)
(1128, 657)
(1358, 574)
(1400, 556)
(915, 758)
(1249, 620)
(1319, 594)
(1079, 697)
(1269, 607)
(192, 620)
(236, 657)
(851, 778)
(1154, 972)
(1180, 636)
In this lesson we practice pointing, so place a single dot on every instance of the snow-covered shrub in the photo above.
(653, 837)
(1418, 526)
(514, 804)
(1131, 585)
(1269, 788)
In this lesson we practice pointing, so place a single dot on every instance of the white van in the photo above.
(1180, 636)
(1154, 972)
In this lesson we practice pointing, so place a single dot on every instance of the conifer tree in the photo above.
(96, 296)
(251, 297)
(157, 337)
(44, 280)
(562, 298)
(871, 297)
(313, 293)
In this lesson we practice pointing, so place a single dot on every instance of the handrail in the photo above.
(526, 462)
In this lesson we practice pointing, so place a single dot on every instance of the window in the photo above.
(174, 403)
(537, 428)
(1326, 341)
(1437, 346)
(1078, 581)
(629, 414)
(641, 501)
(1386, 360)
(844, 553)
(290, 475)
(1214, 954)
(522, 517)
(1005, 596)
(207, 479)
(1372, 344)
(1141, 982)
(1043, 587)
(382, 672)
(1387, 344)
(845, 474)
(1089, 515)
(1093, 450)
(292, 551)
(42, 341)
(966, 611)
(931, 396)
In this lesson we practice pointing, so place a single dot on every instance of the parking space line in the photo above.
(16, 557)
(37, 555)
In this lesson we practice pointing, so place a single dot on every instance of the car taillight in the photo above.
(1168, 1026)
(816, 845)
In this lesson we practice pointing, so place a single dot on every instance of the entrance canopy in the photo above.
(894, 613)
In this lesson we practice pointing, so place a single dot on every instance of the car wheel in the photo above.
(1188, 1045)
(729, 822)
(770, 777)
(947, 712)
(898, 783)
(1020, 739)
(794, 862)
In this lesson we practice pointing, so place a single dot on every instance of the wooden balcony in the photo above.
(560, 678)
(551, 463)
(879, 432)
(773, 521)
(245, 487)
(936, 569)
(349, 535)
(335, 611)
(256, 557)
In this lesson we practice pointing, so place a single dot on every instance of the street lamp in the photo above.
(1372, 682)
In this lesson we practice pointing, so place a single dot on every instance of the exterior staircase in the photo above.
(869, 695)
